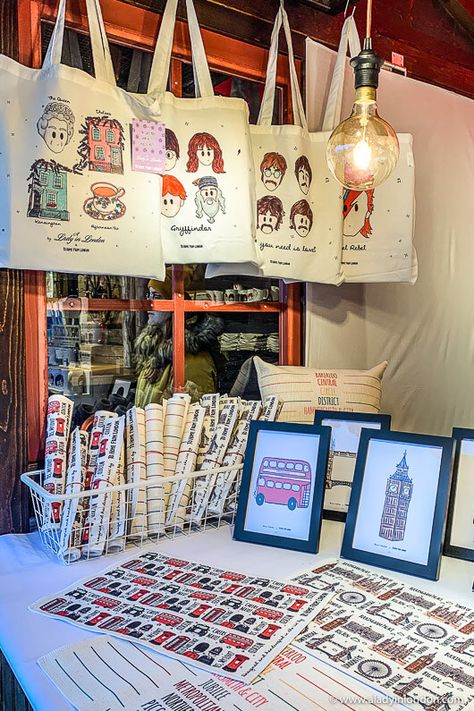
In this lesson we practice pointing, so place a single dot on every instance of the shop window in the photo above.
(96, 325)
(51, 199)
(43, 177)
(57, 180)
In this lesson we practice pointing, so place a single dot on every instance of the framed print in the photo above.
(281, 494)
(345, 435)
(459, 541)
(398, 503)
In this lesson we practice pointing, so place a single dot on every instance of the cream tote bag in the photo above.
(378, 224)
(69, 200)
(298, 202)
(208, 187)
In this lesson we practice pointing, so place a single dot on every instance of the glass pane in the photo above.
(108, 359)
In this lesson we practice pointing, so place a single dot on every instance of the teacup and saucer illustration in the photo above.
(105, 203)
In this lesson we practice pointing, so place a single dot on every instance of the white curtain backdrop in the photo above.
(425, 331)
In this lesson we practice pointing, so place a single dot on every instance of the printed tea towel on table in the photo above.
(69, 200)
(208, 187)
(298, 202)
(378, 224)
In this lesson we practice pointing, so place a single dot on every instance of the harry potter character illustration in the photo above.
(101, 147)
(397, 500)
(303, 173)
(301, 218)
(56, 126)
(272, 170)
(204, 149)
(358, 209)
(171, 148)
(209, 199)
(47, 188)
(173, 196)
(270, 214)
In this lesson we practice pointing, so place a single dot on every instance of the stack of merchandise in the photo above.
(152, 471)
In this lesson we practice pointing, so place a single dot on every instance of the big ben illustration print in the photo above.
(397, 501)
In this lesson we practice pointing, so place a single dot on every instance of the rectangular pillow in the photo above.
(304, 390)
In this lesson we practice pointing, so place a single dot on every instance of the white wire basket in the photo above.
(106, 521)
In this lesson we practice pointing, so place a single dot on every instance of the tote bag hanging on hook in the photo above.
(378, 224)
(69, 200)
(298, 202)
(208, 187)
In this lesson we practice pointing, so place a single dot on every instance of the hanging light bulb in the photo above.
(363, 150)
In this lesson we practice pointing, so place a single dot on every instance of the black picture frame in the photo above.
(363, 500)
(365, 417)
(253, 471)
(459, 434)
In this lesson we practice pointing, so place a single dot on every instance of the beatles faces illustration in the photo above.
(303, 173)
(56, 126)
(172, 149)
(209, 199)
(173, 196)
(301, 218)
(204, 150)
(272, 170)
(358, 209)
(269, 214)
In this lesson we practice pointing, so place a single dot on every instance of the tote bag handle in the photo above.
(349, 37)
(103, 66)
(268, 101)
(164, 45)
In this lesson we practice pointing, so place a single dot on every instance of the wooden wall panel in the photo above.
(436, 49)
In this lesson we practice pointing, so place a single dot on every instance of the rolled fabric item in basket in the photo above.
(154, 467)
(213, 459)
(136, 471)
(93, 452)
(118, 512)
(211, 404)
(173, 426)
(70, 535)
(180, 494)
(271, 409)
(58, 426)
(104, 477)
(234, 455)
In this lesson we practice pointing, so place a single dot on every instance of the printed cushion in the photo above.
(304, 390)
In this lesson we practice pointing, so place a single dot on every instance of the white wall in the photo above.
(425, 331)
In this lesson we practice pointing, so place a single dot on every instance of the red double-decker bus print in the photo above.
(283, 481)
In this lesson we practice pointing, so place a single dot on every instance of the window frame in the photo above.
(137, 28)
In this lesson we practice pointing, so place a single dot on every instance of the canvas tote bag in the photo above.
(208, 186)
(298, 202)
(69, 200)
(378, 224)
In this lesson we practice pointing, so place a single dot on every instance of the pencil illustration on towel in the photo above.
(283, 481)
(209, 198)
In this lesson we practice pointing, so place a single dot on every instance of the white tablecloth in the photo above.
(28, 572)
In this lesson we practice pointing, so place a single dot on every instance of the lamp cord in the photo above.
(368, 27)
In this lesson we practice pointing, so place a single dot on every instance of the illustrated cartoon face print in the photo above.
(272, 170)
(303, 174)
(56, 126)
(269, 214)
(358, 208)
(209, 199)
(301, 218)
(172, 149)
(204, 150)
(173, 196)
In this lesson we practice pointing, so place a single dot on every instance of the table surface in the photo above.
(28, 572)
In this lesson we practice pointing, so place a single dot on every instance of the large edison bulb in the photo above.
(363, 150)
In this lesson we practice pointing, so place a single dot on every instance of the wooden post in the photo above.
(13, 499)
